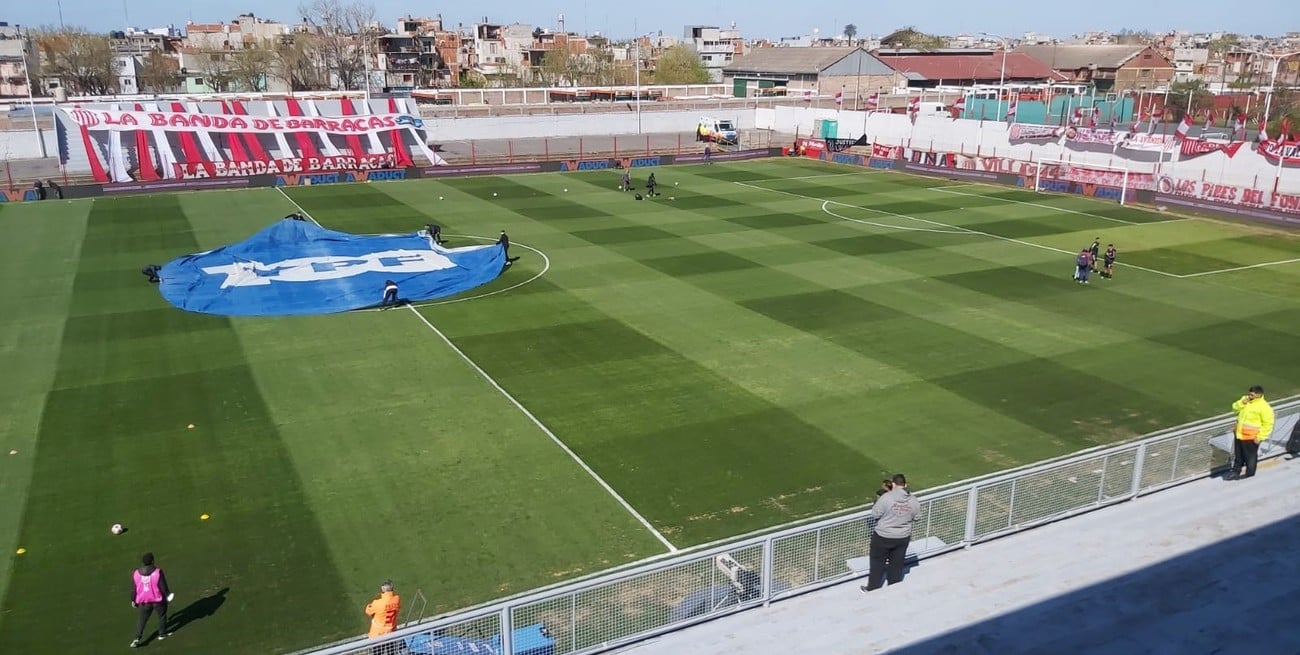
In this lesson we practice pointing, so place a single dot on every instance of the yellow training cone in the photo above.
(204, 517)
(21, 551)
(190, 426)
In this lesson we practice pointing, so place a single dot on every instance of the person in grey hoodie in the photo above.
(895, 513)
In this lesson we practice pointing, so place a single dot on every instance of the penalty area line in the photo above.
(940, 224)
(547, 431)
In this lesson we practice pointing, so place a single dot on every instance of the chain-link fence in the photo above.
(617, 608)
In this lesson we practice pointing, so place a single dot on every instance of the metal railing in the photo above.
(624, 606)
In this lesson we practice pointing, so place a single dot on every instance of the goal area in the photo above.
(1092, 180)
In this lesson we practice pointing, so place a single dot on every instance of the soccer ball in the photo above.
(494, 194)
(116, 529)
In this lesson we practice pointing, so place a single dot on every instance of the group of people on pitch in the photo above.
(1086, 262)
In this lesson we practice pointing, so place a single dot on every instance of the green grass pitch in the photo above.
(759, 344)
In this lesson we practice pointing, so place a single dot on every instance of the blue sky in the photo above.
(755, 18)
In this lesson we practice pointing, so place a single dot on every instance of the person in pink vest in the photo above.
(149, 594)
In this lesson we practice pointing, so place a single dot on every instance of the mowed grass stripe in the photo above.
(686, 446)
(115, 448)
(36, 285)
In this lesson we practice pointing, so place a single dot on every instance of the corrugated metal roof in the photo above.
(789, 61)
(985, 67)
(1076, 57)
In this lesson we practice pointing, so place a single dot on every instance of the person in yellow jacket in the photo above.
(383, 611)
(1254, 423)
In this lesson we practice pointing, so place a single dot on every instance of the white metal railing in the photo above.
(628, 605)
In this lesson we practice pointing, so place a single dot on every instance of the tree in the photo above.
(215, 71)
(299, 64)
(1133, 37)
(680, 64)
(850, 31)
(1195, 90)
(910, 37)
(159, 73)
(555, 64)
(251, 67)
(1222, 44)
(344, 31)
(84, 62)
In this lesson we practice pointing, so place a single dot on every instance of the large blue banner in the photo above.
(297, 267)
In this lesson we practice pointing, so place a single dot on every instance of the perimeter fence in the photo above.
(637, 602)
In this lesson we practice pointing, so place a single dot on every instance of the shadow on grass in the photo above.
(198, 610)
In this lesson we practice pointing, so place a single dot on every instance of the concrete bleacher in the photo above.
(1207, 567)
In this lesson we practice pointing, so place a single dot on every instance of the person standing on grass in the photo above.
(626, 184)
(1082, 264)
(149, 595)
(1254, 424)
(1107, 270)
(708, 153)
(650, 185)
(504, 242)
(1094, 250)
(895, 513)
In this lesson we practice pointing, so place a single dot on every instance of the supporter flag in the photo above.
(839, 98)
(1092, 120)
(873, 102)
(1263, 131)
(914, 109)
(1285, 133)
(1154, 119)
(1077, 118)
(1012, 109)
(1209, 119)
(1239, 126)
(1184, 127)
(958, 107)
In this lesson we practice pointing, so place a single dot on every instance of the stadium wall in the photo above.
(1244, 167)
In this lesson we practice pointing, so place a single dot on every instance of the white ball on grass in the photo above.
(116, 529)
(439, 197)
(494, 194)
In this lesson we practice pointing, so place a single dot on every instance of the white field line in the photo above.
(627, 506)
(946, 225)
(1034, 204)
(547, 431)
(894, 227)
(546, 266)
(1242, 268)
(863, 172)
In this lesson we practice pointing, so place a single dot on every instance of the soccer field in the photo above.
(759, 344)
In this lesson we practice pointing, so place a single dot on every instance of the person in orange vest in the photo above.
(1254, 424)
(383, 611)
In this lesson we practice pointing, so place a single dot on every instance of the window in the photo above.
(198, 81)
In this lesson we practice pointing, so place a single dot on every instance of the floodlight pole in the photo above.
(31, 101)
(1272, 80)
(1002, 76)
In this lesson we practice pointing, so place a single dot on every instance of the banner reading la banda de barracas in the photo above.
(203, 170)
(108, 119)
(1289, 152)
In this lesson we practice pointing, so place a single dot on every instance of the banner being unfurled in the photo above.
(107, 119)
(297, 267)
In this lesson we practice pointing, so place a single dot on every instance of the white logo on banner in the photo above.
(313, 269)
